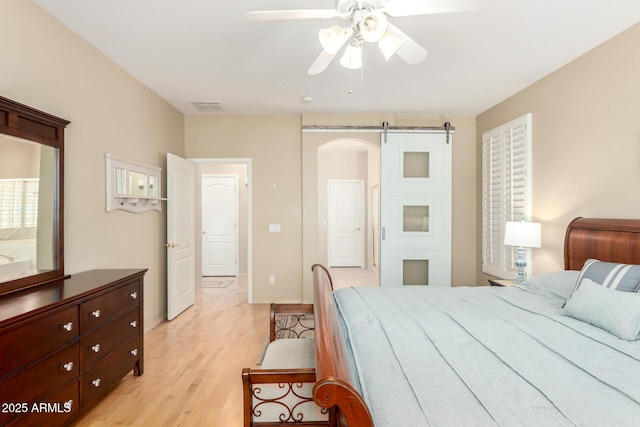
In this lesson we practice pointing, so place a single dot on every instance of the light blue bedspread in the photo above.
(486, 356)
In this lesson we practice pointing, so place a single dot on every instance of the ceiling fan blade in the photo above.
(410, 50)
(321, 63)
(425, 7)
(281, 15)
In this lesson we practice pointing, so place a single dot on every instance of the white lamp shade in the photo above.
(373, 26)
(352, 57)
(333, 38)
(523, 234)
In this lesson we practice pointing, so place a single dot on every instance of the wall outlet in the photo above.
(272, 279)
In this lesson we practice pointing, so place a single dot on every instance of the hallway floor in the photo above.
(344, 277)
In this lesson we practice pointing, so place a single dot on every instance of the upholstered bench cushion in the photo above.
(290, 353)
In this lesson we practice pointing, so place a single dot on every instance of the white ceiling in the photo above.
(204, 50)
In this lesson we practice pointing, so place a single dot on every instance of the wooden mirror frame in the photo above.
(37, 126)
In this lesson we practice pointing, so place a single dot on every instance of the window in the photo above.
(18, 203)
(506, 192)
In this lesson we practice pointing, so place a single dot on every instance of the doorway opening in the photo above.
(348, 205)
(226, 234)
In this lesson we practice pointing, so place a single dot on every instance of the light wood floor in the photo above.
(192, 372)
(345, 277)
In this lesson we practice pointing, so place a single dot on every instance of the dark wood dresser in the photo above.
(65, 344)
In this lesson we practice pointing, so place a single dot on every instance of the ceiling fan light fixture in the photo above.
(373, 26)
(352, 57)
(389, 44)
(333, 38)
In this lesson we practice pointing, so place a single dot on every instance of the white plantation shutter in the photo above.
(18, 203)
(506, 191)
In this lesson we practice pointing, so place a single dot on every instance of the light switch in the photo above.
(274, 228)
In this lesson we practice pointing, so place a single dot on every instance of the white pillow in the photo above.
(614, 311)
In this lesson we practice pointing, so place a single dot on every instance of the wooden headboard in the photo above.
(613, 240)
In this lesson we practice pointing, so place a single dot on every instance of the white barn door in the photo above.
(415, 213)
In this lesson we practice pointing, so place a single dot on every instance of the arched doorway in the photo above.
(338, 156)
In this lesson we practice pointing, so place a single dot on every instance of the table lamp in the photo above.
(522, 235)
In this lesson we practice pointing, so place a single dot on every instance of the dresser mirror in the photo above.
(31, 196)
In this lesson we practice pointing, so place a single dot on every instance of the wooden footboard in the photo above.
(333, 387)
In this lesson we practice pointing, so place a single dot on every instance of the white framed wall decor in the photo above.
(132, 186)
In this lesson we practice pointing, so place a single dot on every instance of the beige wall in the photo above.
(273, 145)
(586, 142)
(18, 160)
(48, 67)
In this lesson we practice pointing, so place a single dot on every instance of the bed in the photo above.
(539, 354)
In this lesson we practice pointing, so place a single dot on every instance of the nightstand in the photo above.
(502, 282)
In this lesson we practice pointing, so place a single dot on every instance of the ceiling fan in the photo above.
(366, 22)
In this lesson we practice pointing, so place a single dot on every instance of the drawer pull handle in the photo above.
(134, 323)
(96, 348)
(96, 382)
(96, 313)
(134, 352)
(68, 326)
(68, 366)
(133, 295)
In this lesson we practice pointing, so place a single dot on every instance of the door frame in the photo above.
(236, 219)
(330, 222)
(248, 163)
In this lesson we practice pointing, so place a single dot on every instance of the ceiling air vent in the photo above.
(209, 107)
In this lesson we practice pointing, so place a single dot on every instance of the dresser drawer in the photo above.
(106, 339)
(37, 339)
(102, 309)
(109, 371)
(54, 410)
(32, 385)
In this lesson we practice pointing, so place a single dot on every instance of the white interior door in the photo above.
(220, 225)
(416, 210)
(345, 223)
(180, 235)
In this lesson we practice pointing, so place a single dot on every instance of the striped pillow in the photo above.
(621, 277)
